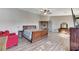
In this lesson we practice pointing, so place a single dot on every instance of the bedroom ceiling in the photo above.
(55, 11)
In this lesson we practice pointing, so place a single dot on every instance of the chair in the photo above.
(1, 33)
(3, 41)
(12, 39)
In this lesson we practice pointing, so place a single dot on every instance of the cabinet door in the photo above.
(73, 39)
(77, 38)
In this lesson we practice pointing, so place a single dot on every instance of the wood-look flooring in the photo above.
(54, 42)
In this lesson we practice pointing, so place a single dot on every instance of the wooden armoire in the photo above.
(74, 34)
(43, 25)
(74, 39)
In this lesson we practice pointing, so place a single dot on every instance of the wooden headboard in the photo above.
(29, 27)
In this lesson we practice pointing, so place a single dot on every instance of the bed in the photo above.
(32, 34)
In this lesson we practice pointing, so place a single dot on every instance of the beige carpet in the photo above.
(54, 42)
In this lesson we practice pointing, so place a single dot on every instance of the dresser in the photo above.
(63, 30)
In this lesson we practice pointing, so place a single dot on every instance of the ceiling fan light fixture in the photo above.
(45, 13)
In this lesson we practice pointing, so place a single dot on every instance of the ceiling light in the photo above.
(45, 13)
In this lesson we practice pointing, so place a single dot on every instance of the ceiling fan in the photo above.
(45, 11)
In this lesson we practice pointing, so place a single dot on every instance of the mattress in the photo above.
(27, 34)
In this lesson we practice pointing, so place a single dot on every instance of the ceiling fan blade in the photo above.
(45, 11)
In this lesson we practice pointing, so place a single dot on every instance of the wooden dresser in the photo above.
(74, 39)
(63, 30)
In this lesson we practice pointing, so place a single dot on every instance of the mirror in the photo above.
(77, 23)
(64, 25)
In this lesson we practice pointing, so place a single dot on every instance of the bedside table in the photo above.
(20, 36)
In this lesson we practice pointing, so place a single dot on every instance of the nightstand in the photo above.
(20, 36)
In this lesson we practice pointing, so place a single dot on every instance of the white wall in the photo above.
(14, 19)
(57, 20)
(44, 18)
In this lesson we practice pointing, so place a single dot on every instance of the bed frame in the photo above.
(36, 35)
